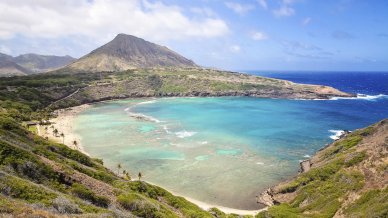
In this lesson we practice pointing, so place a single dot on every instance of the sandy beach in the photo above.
(227, 210)
(63, 123)
(207, 206)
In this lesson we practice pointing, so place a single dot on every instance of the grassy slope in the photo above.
(347, 179)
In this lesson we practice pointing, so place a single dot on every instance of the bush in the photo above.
(282, 210)
(355, 159)
(8, 123)
(64, 206)
(72, 154)
(101, 175)
(22, 189)
(138, 205)
(187, 208)
(88, 195)
(372, 203)
(26, 164)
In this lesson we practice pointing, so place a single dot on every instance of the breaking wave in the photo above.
(362, 97)
(184, 134)
(336, 134)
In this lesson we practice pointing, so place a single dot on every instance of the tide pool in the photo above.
(221, 151)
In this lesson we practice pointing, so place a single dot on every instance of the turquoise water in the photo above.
(222, 151)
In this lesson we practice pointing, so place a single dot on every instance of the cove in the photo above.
(221, 151)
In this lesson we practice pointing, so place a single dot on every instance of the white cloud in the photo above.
(284, 11)
(258, 36)
(235, 48)
(239, 8)
(263, 4)
(306, 21)
(103, 19)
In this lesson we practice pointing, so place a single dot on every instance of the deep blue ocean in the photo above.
(224, 151)
(367, 111)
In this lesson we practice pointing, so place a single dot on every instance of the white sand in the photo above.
(64, 124)
(227, 210)
(207, 206)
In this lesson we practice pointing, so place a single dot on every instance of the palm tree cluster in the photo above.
(125, 173)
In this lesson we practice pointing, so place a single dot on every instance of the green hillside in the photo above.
(347, 179)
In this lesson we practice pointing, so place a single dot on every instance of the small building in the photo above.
(31, 123)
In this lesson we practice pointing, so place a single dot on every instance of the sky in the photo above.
(285, 35)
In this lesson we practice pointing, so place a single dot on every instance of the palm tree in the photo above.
(139, 175)
(63, 136)
(127, 176)
(55, 132)
(118, 168)
(75, 144)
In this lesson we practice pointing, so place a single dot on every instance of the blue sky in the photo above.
(343, 35)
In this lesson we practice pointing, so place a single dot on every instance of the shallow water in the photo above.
(221, 151)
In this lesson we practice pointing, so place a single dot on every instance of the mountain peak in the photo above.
(128, 52)
(123, 36)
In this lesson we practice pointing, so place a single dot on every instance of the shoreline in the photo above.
(64, 120)
(207, 206)
(63, 123)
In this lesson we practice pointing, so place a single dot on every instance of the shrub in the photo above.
(8, 123)
(72, 154)
(97, 174)
(282, 210)
(372, 203)
(64, 206)
(88, 195)
(138, 205)
(22, 189)
(25, 164)
(355, 159)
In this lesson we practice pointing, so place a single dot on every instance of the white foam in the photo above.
(140, 116)
(361, 97)
(204, 142)
(147, 102)
(337, 134)
(307, 156)
(143, 117)
(260, 163)
(184, 134)
(166, 129)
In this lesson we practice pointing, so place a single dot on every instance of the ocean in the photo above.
(224, 151)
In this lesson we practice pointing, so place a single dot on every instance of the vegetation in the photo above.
(21, 189)
(87, 194)
(326, 190)
(372, 203)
